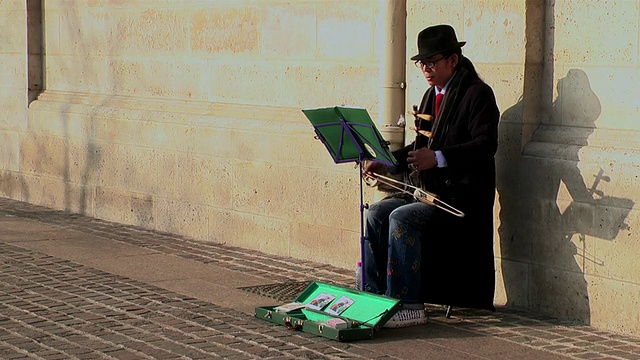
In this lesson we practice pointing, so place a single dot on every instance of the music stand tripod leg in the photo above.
(448, 312)
(362, 245)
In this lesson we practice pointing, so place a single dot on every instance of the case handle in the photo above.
(295, 325)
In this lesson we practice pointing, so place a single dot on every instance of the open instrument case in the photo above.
(333, 312)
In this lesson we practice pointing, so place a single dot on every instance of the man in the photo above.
(419, 253)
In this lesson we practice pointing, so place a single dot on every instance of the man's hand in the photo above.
(421, 159)
(374, 167)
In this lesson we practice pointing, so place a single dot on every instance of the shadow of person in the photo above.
(548, 215)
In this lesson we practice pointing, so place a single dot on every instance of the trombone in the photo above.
(372, 179)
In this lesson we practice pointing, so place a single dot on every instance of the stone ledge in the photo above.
(591, 145)
(223, 114)
(254, 118)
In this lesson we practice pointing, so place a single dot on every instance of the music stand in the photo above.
(350, 135)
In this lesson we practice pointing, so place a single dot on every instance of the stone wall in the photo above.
(184, 116)
(568, 192)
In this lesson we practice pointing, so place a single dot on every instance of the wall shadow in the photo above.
(78, 150)
(549, 209)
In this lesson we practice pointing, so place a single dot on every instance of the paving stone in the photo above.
(589, 355)
(57, 308)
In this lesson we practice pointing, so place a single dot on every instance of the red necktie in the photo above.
(438, 101)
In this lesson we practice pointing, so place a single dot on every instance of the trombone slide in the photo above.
(421, 195)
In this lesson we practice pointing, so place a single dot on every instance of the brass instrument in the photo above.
(418, 128)
(372, 179)
(423, 124)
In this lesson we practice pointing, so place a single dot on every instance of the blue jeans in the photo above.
(392, 240)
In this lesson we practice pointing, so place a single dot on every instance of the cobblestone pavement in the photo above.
(52, 308)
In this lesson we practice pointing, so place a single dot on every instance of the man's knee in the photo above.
(415, 214)
(399, 214)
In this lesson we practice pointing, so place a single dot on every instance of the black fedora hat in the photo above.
(436, 39)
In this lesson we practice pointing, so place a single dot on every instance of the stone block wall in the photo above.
(13, 85)
(568, 193)
(184, 116)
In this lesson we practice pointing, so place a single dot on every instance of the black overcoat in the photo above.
(457, 253)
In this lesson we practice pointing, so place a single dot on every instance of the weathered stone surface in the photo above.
(221, 31)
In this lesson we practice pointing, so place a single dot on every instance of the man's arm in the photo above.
(482, 128)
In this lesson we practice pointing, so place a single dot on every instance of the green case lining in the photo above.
(366, 315)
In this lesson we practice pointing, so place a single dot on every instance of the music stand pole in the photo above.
(350, 131)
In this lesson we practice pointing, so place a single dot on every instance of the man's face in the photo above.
(438, 69)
